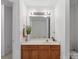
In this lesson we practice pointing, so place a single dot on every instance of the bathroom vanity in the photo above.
(43, 28)
(40, 50)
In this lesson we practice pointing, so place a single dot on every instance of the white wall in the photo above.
(23, 17)
(16, 31)
(19, 20)
(73, 26)
(67, 29)
(2, 31)
(62, 27)
(8, 29)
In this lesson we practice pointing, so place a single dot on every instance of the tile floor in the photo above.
(8, 56)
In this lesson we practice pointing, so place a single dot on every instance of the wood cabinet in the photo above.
(29, 52)
(55, 52)
(40, 52)
(44, 52)
(34, 54)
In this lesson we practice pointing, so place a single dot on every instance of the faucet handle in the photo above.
(53, 38)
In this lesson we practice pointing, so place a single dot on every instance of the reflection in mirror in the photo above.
(40, 27)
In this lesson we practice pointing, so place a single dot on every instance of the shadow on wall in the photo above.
(74, 25)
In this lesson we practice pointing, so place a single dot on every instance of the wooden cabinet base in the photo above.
(40, 52)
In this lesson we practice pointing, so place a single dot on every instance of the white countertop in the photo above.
(40, 41)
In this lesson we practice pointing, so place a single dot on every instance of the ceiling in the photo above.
(40, 3)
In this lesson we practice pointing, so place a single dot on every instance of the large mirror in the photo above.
(40, 22)
(40, 27)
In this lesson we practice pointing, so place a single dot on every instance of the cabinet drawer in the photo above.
(29, 47)
(55, 47)
(43, 47)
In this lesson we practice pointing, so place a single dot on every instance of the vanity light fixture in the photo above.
(44, 13)
(31, 12)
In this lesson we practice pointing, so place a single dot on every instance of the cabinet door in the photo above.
(25, 54)
(34, 54)
(44, 52)
(55, 52)
(29, 52)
